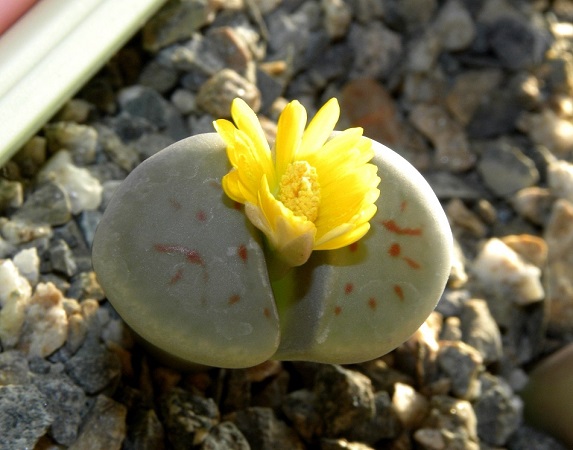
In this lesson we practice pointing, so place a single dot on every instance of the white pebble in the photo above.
(12, 316)
(12, 283)
(83, 189)
(560, 179)
(28, 263)
(410, 406)
(19, 232)
(184, 101)
(46, 325)
(499, 268)
(548, 129)
(455, 26)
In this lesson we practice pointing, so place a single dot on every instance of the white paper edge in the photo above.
(51, 52)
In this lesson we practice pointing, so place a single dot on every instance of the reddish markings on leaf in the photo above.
(242, 252)
(201, 216)
(353, 247)
(393, 227)
(403, 205)
(348, 288)
(267, 313)
(191, 256)
(234, 299)
(413, 264)
(394, 250)
(238, 206)
(177, 277)
(215, 184)
(175, 204)
(337, 310)
(399, 292)
(372, 303)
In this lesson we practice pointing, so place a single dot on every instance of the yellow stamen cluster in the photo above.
(299, 190)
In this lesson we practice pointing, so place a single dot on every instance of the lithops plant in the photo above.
(221, 251)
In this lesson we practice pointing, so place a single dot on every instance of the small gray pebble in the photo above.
(104, 426)
(264, 431)
(11, 194)
(62, 258)
(66, 403)
(187, 417)
(344, 398)
(225, 436)
(13, 368)
(21, 405)
(48, 204)
(94, 367)
(498, 410)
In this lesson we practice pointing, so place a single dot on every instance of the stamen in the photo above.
(299, 190)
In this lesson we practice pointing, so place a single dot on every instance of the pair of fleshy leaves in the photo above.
(186, 270)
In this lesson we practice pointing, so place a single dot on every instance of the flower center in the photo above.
(299, 190)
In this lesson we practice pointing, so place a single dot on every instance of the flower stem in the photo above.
(276, 266)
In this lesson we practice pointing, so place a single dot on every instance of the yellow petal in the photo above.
(289, 134)
(346, 148)
(320, 128)
(246, 160)
(323, 238)
(231, 187)
(340, 205)
(248, 124)
(366, 213)
(343, 239)
(226, 130)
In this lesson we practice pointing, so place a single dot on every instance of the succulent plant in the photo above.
(190, 271)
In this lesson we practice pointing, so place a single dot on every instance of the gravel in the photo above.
(476, 95)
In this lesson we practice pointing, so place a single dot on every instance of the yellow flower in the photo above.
(310, 192)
